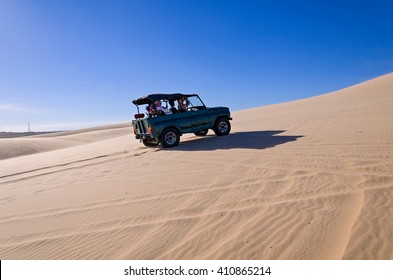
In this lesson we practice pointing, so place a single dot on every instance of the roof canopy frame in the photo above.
(151, 98)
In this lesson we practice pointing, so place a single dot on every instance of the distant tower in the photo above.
(28, 127)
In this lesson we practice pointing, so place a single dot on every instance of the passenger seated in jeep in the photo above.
(159, 108)
(150, 110)
(182, 104)
(173, 108)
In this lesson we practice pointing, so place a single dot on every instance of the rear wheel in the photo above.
(170, 138)
(222, 127)
(201, 133)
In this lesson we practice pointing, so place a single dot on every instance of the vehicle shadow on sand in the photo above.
(237, 140)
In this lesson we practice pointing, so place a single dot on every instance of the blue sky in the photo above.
(67, 64)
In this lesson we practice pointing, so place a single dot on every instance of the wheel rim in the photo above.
(223, 127)
(170, 138)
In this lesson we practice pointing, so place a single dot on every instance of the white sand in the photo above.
(311, 179)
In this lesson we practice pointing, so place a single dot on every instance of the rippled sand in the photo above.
(310, 179)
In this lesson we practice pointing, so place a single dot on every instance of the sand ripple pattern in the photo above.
(311, 179)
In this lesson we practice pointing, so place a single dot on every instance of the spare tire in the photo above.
(150, 142)
(202, 132)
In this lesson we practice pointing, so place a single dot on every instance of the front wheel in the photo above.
(170, 138)
(222, 127)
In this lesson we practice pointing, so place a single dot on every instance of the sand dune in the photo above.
(15, 147)
(310, 179)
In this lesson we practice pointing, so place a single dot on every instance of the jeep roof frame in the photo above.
(151, 98)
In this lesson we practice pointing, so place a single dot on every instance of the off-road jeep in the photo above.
(164, 121)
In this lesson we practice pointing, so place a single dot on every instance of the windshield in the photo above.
(195, 101)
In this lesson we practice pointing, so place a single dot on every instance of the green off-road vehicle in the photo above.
(168, 116)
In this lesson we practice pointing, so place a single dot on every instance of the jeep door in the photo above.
(184, 121)
(200, 120)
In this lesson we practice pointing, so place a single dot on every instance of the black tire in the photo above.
(150, 142)
(170, 138)
(222, 127)
(202, 132)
